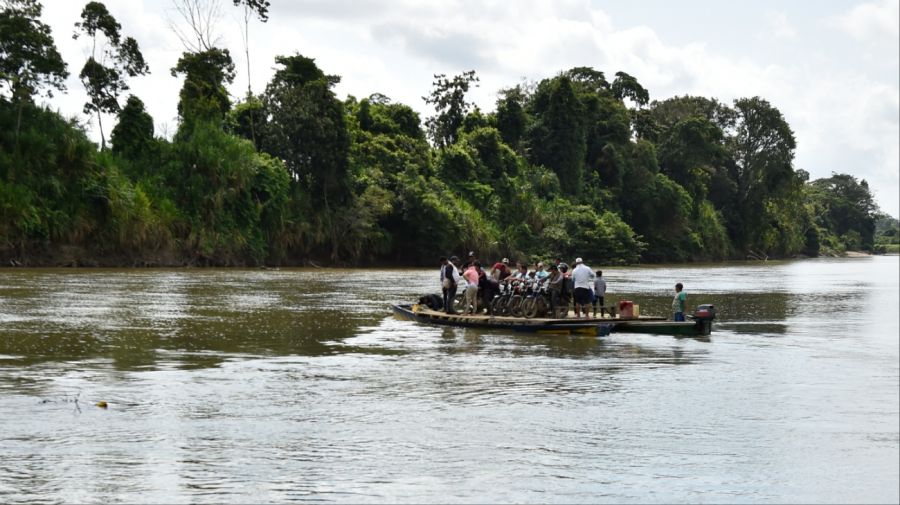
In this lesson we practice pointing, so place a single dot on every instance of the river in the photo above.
(296, 385)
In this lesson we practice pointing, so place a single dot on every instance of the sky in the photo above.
(831, 67)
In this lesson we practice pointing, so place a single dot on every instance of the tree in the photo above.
(557, 138)
(762, 152)
(261, 8)
(626, 86)
(29, 61)
(247, 119)
(201, 19)
(104, 80)
(203, 95)
(691, 152)
(511, 117)
(449, 100)
(588, 79)
(843, 205)
(667, 113)
(307, 129)
(133, 133)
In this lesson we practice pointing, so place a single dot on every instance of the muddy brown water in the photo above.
(298, 385)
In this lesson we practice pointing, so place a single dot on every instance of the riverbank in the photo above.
(80, 257)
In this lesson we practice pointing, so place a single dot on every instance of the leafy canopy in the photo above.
(29, 60)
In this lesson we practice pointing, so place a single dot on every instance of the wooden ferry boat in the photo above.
(700, 325)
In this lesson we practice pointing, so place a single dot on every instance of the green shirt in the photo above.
(679, 301)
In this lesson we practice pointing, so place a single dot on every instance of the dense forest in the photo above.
(579, 164)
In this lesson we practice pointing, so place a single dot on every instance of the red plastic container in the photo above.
(626, 309)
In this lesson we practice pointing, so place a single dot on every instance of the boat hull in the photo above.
(538, 326)
(570, 326)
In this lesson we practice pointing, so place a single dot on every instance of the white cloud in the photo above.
(876, 21)
(779, 26)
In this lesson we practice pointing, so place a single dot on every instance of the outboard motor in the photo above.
(704, 315)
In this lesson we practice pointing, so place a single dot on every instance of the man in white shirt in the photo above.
(583, 279)
(451, 274)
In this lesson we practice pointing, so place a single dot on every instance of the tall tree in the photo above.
(133, 133)
(307, 129)
(449, 101)
(588, 79)
(198, 28)
(557, 138)
(845, 207)
(103, 74)
(763, 151)
(626, 86)
(203, 96)
(511, 117)
(670, 111)
(691, 152)
(261, 8)
(29, 61)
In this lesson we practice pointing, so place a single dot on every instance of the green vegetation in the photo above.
(573, 165)
(887, 234)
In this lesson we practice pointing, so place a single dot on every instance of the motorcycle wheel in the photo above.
(515, 305)
(528, 307)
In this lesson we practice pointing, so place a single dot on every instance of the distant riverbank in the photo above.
(77, 257)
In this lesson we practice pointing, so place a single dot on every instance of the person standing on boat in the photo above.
(599, 292)
(583, 281)
(566, 291)
(554, 287)
(487, 286)
(445, 280)
(449, 281)
(679, 303)
(471, 276)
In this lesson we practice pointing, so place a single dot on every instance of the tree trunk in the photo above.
(19, 122)
(249, 86)
(102, 138)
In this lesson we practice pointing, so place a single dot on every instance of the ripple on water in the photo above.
(296, 385)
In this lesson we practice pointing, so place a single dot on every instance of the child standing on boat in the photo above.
(599, 292)
(679, 302)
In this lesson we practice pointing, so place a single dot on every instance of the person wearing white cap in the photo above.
(583, 279)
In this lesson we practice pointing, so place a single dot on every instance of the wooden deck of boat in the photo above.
(512, 320)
